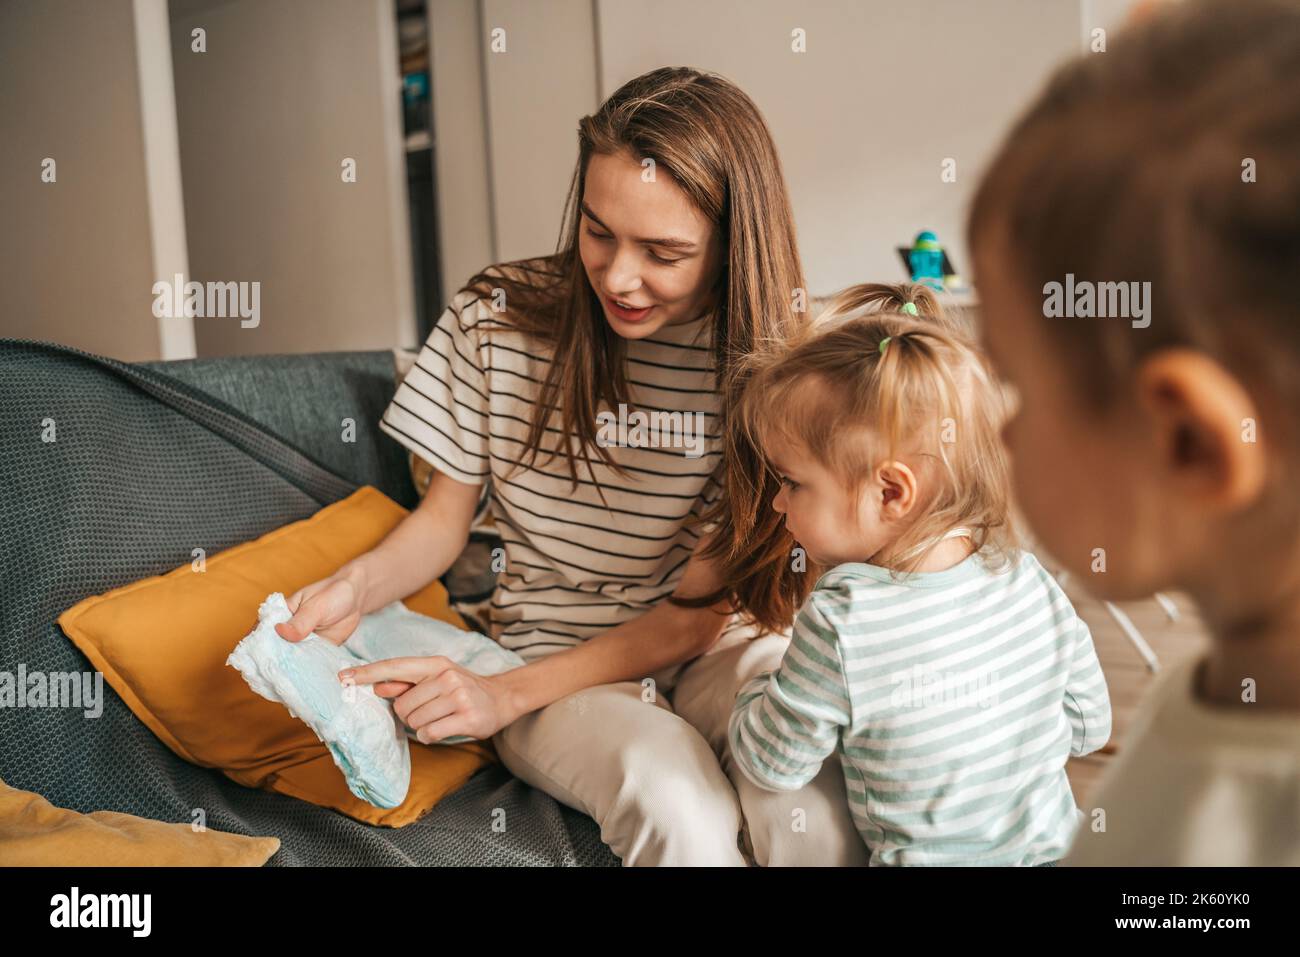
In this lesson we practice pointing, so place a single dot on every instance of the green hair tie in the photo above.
(884, 342)
(909, 308)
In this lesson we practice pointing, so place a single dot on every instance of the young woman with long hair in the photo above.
(630, 555)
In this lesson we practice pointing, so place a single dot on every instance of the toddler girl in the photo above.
(942, 663)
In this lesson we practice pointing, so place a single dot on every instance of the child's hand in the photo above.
(437, 698)
(331, 608)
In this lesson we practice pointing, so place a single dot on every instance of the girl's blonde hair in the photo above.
(858, 388)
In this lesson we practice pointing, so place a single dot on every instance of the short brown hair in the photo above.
(1131, 166)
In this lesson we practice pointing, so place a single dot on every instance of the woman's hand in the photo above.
(418, 550)
(437, 698)
(330, 607)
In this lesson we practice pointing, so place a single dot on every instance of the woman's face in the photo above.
(651, 256)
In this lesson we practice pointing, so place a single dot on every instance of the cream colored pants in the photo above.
(658, 777)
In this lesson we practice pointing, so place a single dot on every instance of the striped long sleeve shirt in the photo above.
(953, 700)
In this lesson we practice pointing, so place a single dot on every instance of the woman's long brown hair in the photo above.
(706, 134)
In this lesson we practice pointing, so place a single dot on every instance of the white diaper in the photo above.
(359, 727)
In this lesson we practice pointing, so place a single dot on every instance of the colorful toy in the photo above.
(926, 260)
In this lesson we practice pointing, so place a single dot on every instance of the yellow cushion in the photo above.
(162, 644)
(35, 833)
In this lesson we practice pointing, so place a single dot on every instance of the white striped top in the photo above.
(953, 700)
(574, 567)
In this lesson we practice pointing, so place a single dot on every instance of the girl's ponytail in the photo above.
(914, 385)
(912, 298)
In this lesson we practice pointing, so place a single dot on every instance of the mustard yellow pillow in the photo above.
(162, 644)
(35, 833)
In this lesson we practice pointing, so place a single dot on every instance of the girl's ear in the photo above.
(897, 490)
(1205, 428)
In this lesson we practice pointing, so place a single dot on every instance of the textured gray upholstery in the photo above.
(149, 462)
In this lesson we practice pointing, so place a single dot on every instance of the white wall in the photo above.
(284, 93)
(466, 227)
(536, 90)
(1107, 14)
(862, 120)
(162, 167)
(77, 256)
(506, 124)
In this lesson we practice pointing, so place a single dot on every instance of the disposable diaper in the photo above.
(361, 730)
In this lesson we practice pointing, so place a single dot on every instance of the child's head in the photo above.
(883, 431)
(1159, 445)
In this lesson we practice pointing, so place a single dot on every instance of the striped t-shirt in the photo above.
(953, 699)
(574, 566)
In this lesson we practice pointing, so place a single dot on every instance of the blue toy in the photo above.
(926, 260)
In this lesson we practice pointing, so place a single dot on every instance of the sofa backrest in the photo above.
(327, 404)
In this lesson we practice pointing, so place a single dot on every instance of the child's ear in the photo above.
(897, 485)
(1205, 426)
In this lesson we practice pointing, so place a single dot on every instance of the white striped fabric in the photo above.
(574, 566)
(953, 700)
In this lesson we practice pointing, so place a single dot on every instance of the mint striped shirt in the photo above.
(953, 700)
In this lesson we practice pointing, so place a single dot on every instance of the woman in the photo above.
(677, 259)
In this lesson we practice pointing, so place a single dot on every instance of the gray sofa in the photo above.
(148, 461)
